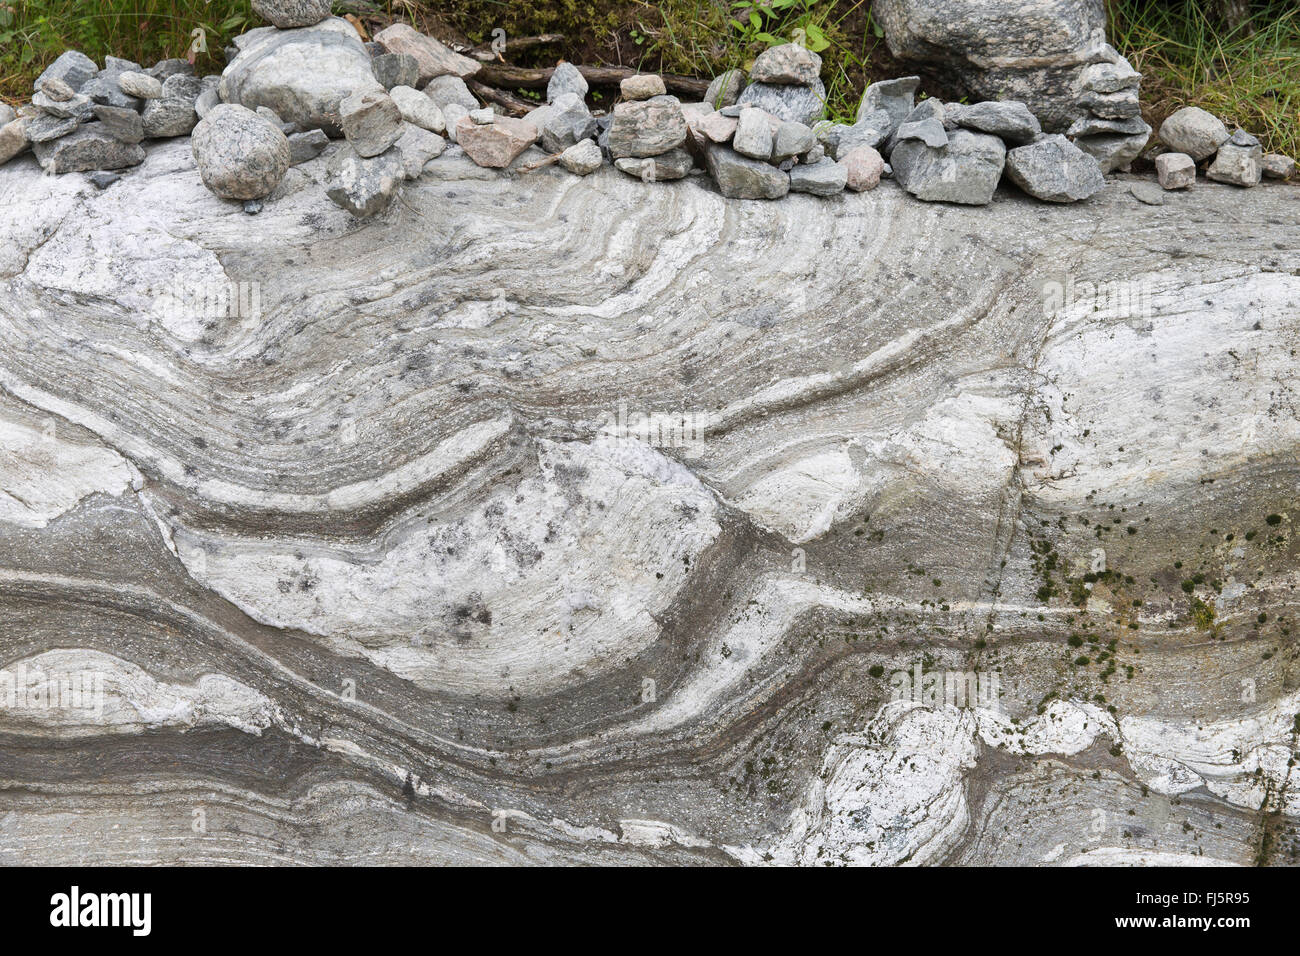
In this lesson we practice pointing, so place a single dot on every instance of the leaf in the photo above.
(755, 20)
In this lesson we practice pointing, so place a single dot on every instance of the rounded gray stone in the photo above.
(240, 155)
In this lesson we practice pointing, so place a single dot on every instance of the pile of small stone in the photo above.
(83, 118)
(1194, 136)
(1111, 129)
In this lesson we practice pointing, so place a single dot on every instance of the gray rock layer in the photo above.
(382, 558)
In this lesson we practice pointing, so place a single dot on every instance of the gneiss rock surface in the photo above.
(402, 470)
(964, 170)
(302, 74)
(1055, 170)
(239, 154)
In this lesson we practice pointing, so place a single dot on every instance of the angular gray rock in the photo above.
(1114, 151)
(1009, 119)
(871, 130)
(753, 136)
(785, 64)
(43, 127)
(1113, 77)
(791, 139)
(434, 58)
(7, 114)
(170, 67)
(582, 158)
(302, 74)
(240, 155)
(674, 164)
(896, 97)
(821, 179)
(72, 67)
(445, 90)
(1175, 170)
(56, 89)
(566, 78)
(140, 85)
(567, 123)
(396, 69)
(1237, 164)
(364, 186)
(124, 125)
(966, 170)
(174, 113)
(929, 131)
(417, 146)
(1121, 105)
(646, 127)
(371, 121)
(287, 14)
(418, 109)
(642, 86)
(797, 104)
(90, 146)
(105, 89)
(305, 146)
(1193, 131)
(1054, 170)
(725, 89)
(78, 106)
(739, 177)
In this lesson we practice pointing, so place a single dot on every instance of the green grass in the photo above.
(1248, 76)
(35, 32)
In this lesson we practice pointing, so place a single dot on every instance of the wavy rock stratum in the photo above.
(385, 567)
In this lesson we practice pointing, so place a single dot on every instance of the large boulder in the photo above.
(1033, 51)
(302, 74)
(965, 170)
(240, 155)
